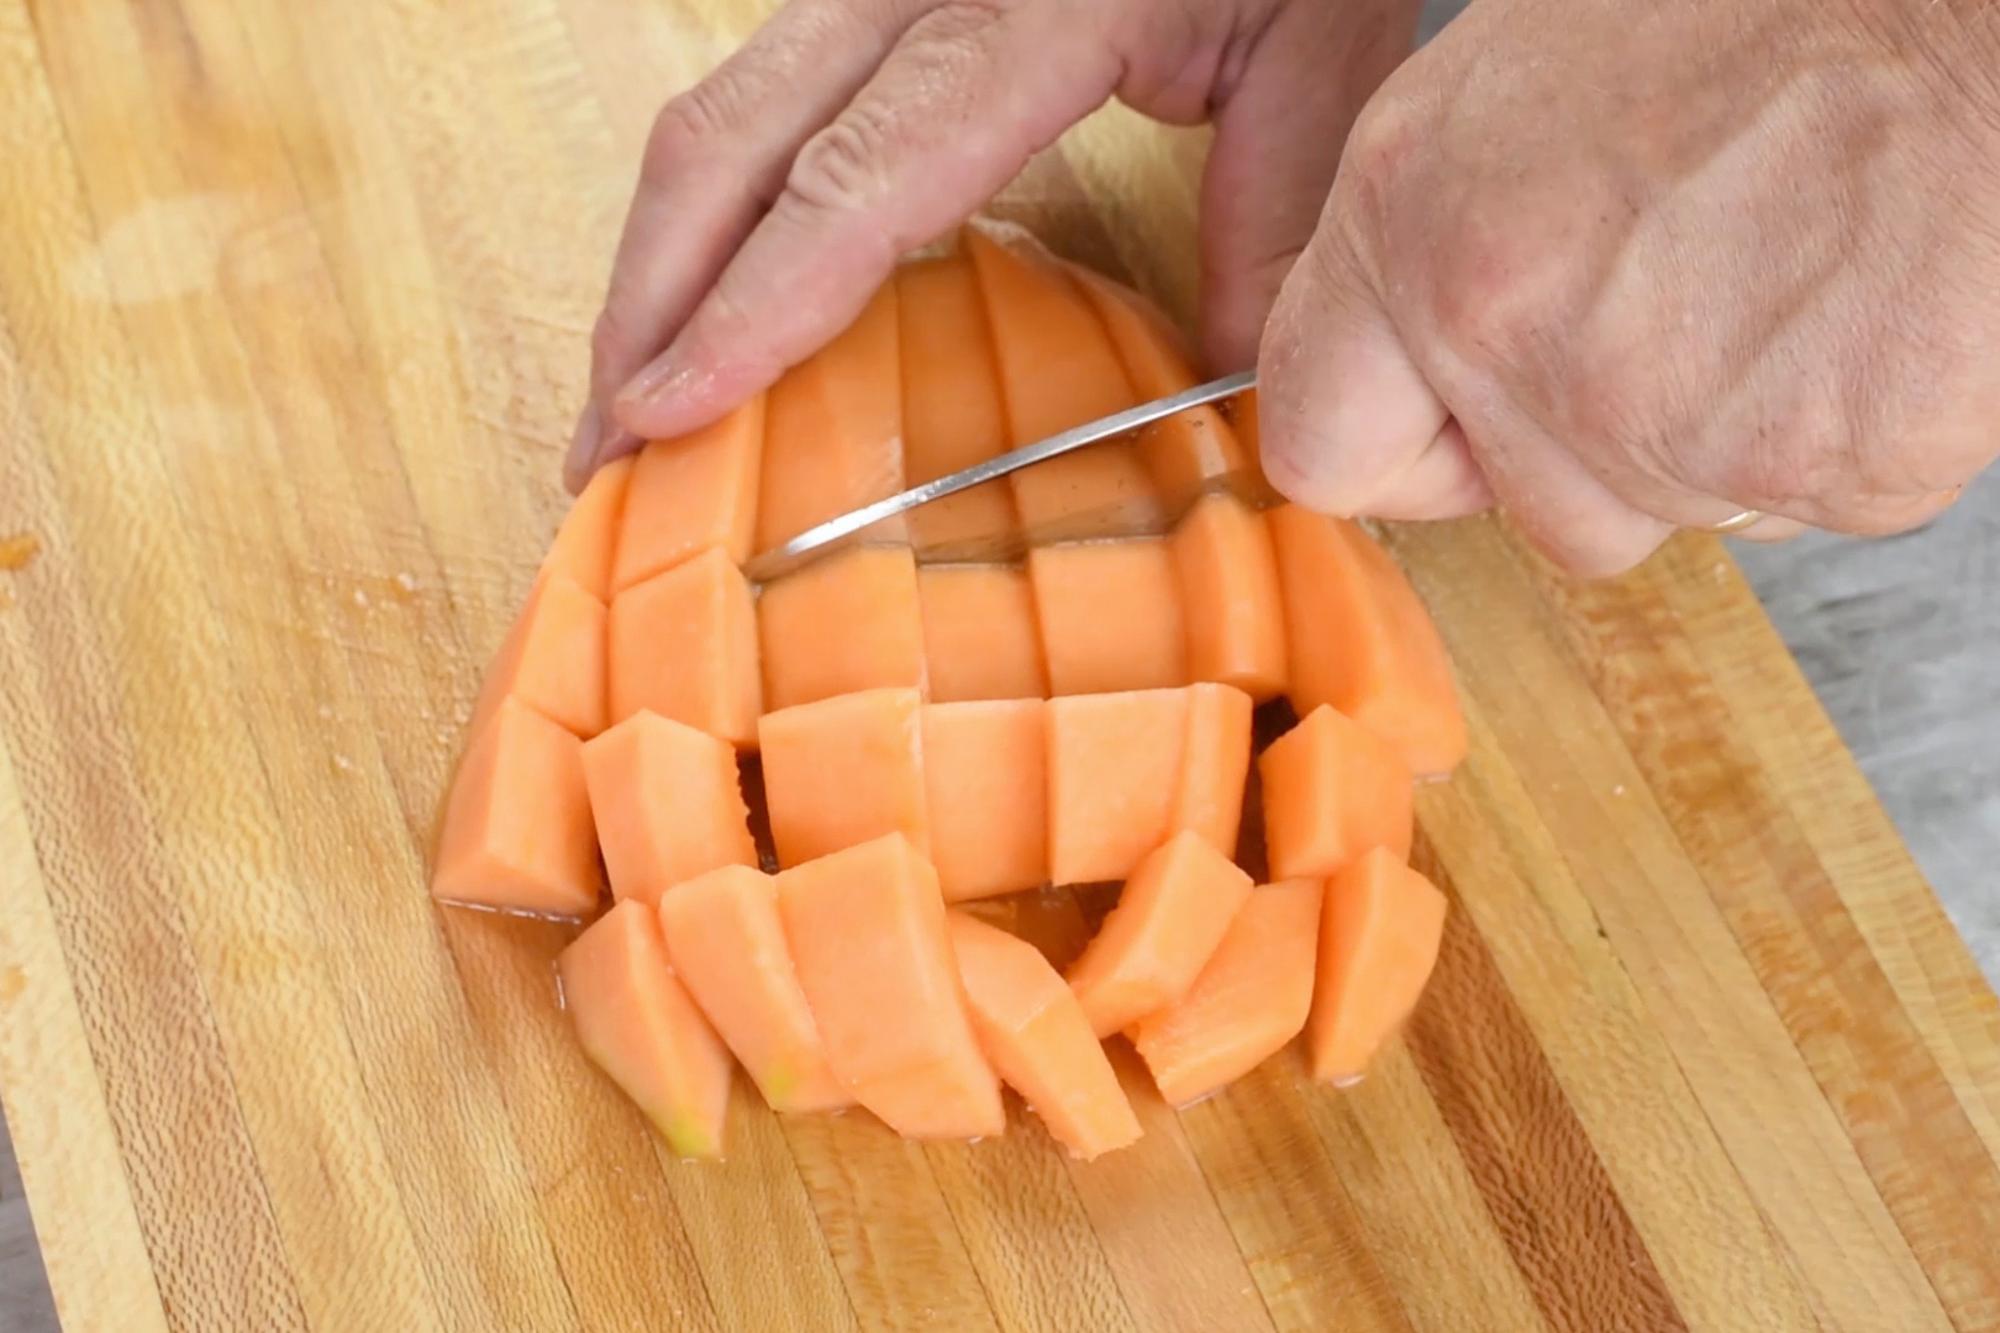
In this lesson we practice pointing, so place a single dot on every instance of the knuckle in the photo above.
(693, 124)
(844, 167)
(1499, 299)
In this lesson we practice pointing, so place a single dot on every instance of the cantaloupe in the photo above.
(667, 805)
(848, 622)
(1215, 765)
(683, 644)
(986, 785)
(587, 538)
(843, 771)
(1379, 936)
(1110, 615)
(1333, 791)
(952, 413)
(690, 494)
(1227, 580)
(552, 659)
(1114, 770)
(980, 636)
(637, 1023)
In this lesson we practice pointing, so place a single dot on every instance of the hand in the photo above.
(1625, 267)
(776, 195)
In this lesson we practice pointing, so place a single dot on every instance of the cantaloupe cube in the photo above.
(684, 644)
(850, 621)
(637, 1023)
(1110, 615)
(1114, 764)
(1379, 937)
(693, 493)
(727, 944)
(1215, 765)
(1250, 999)
(987, 783)
(952, 413)
(1171, 915)
(980, 636)
(833, 430)
(842, 771)
(667, 803)
(517, 833)
(552, 660)
(588, 535)
(1227, 577)
(1035, 1035)
(1361, 641)
(866, 928)
(1333, 791)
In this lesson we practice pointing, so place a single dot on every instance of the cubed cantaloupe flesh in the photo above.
(552, 659)
(683, 644)
(667, 803)
(833, 430)
(517, 832)
(693, 493)
(638, 1024)
(952, 413)
(1361, 640)
(843, 771)
(1171, 915)
(850, 621)
(981, 640)
(1251, 997)
(1333, 791)
(1215, 765)
(866, 928)
(586, 541)
(727, 944)
(1058, 369)
(1034, 1033)
(986, 782)
(1378, 941)
(1110, 615)
(1230, 605)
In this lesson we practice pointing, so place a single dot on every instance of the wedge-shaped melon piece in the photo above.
(1379, 937)
(952, 414)
(684, 645)
(1171, 915)
(1333, 791)
(1215, 765)
(833, 430)
(638, 1024)
(667, 803)
(1361, 640)
(587, 538)
(866, 928)
(552, 660)
(986, 779)
(517, 833)
(1110, 615)
(1228, 581)
(842, 771)
(1114, 763)
(848, 622)
(1034, 1033)
(693, 493)
(1250, 999)
(980, 636)
(727, 944)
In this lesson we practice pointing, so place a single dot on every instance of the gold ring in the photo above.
(1737, 522)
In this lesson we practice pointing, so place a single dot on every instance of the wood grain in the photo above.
(293, 315)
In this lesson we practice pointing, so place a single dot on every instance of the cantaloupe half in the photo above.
(844, 771)
(667, 805)
(1333, 791)
(1379, 936)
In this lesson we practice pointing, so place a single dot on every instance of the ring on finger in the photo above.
(1736, 522)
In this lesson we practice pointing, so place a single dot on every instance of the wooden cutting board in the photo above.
(294, 303)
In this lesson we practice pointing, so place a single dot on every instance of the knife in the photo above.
(823, 539)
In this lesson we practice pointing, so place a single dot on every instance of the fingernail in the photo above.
(582, 449)
(646, 405)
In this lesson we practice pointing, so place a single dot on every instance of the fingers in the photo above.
(965, 99)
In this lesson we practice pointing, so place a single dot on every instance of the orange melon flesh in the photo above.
(517, 834)
(1171, 915)
(848, 622)
(693, 493)
(1361, 641)
(1215, 765)
(987, 796)
(727, 944)
(1114, 765)
(1227, 577)
(843, 771)
(1250, 999)
(833, 430)
(866, 927)
(667, 804)
(1333, 791)
(587, 538)
(638, 1024)
(1378, 941)
(952, 414)
(684, 645)
(1110, 615)
(552, 660)
(980, 636)
(1034, 1032)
